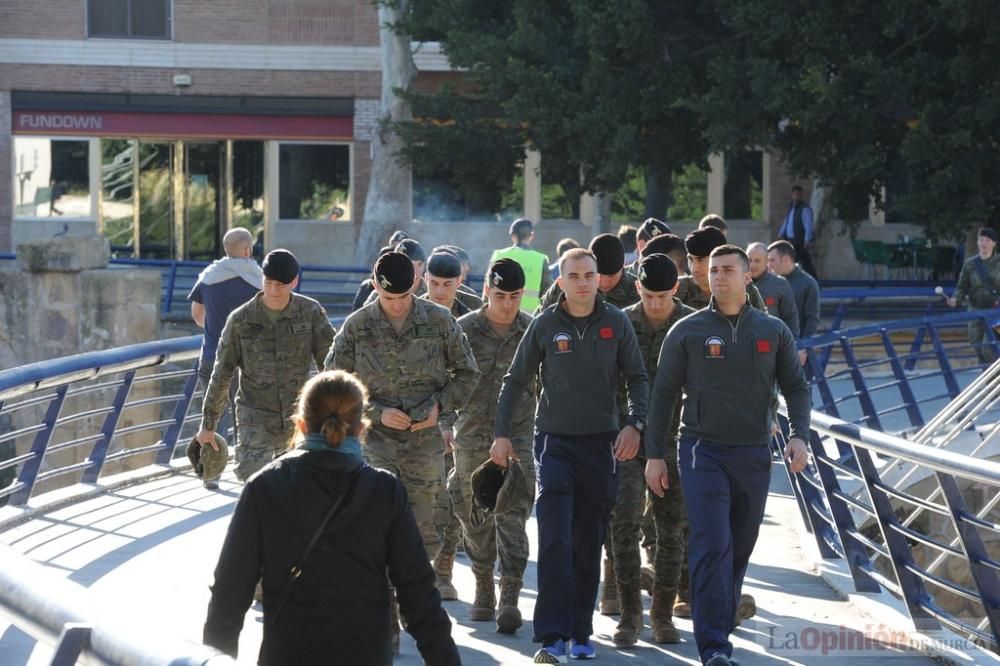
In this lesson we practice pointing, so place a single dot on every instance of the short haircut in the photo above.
(627, 235)
(576, 253)
(783, 248)
(797, 188)
(713, 220)
(728, 249)
(565, 245)
(236, 240)
(756, 245)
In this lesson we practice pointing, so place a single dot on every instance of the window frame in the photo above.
(168, 37)
(92, 197)
(278, 143)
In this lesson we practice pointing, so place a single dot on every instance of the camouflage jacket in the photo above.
(428, 362)
(621, 295)
(274, 358)
(650, 341)
(971, 284)
(458, 306)
(494, 355)
(691, 295)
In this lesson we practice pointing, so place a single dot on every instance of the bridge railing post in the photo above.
(29, 471)
(910, 584)
(100, 451)
(173, 431)
(983, 575)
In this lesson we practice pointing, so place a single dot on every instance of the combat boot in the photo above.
(682, 606)
(443, 565)
(508, 616)
(484, 605)
(630, 624)
(609, 591)
(660, 615)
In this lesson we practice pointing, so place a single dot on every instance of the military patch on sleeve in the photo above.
(301, 328)
(770, 301)
(715, 347)
(563, 343)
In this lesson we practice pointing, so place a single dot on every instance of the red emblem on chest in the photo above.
(607, 333)
(763, 346)
(769, 300)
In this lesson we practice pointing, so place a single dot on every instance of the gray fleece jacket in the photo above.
(727, 374)
(579, 370)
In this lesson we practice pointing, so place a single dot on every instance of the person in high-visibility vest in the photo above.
(535, 264)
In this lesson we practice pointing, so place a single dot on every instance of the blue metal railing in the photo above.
(856, 515)
(872, 373)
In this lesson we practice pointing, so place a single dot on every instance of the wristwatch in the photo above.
(636, 423)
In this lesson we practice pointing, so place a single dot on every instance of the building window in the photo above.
(137, 19)
(51, 177)
(314, 182)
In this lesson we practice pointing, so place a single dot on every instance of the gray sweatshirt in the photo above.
(579, 370)
(727, 374)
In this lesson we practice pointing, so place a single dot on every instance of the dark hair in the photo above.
(332, 404)
(565, 245)
(713, 220)
(797, 188)
(576, 253)
(783, 247)
(728, 249)
(627, 235)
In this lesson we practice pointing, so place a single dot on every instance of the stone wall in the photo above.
(59, 300)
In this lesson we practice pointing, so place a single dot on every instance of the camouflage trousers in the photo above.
(503, 537)
(669, 519)
(416, 460)
(981, 341)
(445, 520)
(260, 438)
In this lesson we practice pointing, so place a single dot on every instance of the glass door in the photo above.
(156, 200)
(204, 205)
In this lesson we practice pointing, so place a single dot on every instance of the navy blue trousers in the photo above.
(577, 485)
(725, 490)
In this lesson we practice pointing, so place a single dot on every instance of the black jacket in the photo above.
(338, 612)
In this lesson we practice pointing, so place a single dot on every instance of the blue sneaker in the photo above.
(552, 653)
(582, 649)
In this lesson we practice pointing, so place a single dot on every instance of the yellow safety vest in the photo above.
(532, 263)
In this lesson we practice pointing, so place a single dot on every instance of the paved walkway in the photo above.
(150, 550)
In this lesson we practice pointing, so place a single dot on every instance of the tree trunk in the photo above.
(820, 203)
(389, 204)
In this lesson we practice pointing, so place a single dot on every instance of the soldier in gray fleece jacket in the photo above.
(578, 347)
(726, 359)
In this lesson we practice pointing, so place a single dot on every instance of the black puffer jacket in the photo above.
(338, 612)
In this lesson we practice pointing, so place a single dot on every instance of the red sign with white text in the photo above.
(182, 125)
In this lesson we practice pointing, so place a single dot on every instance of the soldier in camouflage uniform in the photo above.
(494, 332)
(979, 281)
(692, 290)
(274, 339)
(616, 285)
(657, 311)
(417, 364)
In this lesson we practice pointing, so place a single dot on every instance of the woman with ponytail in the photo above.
(321, 511)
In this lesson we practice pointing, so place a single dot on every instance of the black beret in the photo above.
(610, 253)
(462, 255)
(412, 249)
(663, 244)
(444, 264)
(522, 226)
(384, 249)
(397, 236)
(394, 272)
(505, 275)
(280, 265)
(989, 233)
(658, 272)
(652, 228)
(701, 242)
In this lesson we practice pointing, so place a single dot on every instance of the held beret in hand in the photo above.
(658, 272)
(394, 273)
(280, 265)
(663, 244)
(444, 264)
(989, 233)
(701, 242)
(652, 228)
(505, 275)
(610, 253)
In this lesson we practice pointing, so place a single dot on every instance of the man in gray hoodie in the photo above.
(725, 359)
